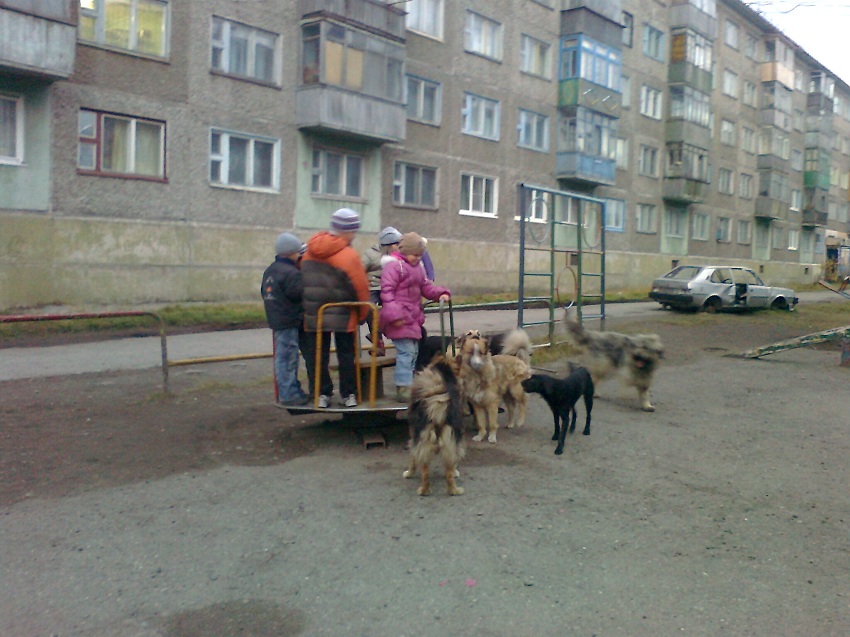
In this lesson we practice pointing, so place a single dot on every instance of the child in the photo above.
(387, 243)
(282, 292)
(403, 284)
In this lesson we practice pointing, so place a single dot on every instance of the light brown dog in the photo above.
(488, 380)
(435, 417)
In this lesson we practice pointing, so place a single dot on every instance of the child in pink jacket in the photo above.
(403, 284)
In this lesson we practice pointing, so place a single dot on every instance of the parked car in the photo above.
(718, 287)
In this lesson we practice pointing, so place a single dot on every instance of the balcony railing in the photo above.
(38, 38)
(376, 16)
(589, 169)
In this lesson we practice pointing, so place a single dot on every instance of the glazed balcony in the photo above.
(372, 15)
(579, 92)
(38, 39)
(586, 169)
(686, 14)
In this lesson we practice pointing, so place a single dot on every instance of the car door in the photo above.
(722, 285)
(758, 294)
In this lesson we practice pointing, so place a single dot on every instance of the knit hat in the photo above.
(389, 236)
(345, 220)
(287, 243)
(411, 243)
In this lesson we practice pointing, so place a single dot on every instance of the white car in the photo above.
(718, 287)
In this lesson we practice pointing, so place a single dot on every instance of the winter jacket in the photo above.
(282, 291)
(332, 273)
(372, 263)
(402, 288)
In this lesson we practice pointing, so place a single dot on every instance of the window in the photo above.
(650, 102)
(483, 36)
(626, 88)
(751, 44)
(11, 129)
(425, 16)
(351, 58)
(244, 160)
(478, 195)
(653, 42)
(725, 181)
(414, 185)
(424, 100)
(132, 25)
(534, 56)
(480, 117)
(796, 159)
(730, 83)
(591, 60)
(799, 119)
(648, 161)
(745, 186)
(539, 205)
(727, 132)
(628, 29)
(745, 231)
(690, 104)
(337, 174)
(621, 154)
(689, 46)
(748, 139)
(730, 34)
(615, 215)
(793, 239)
(533, 130)
(724, 229)
(776, 238)
(587, 132)
(645, 218)
(674, 222)
(120, 145)
(750, 96)
(687, 161)
(242, 50)
(700, 226)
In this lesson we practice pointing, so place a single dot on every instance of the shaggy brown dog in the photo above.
(634, 358)
(487, 380)
(435, 416)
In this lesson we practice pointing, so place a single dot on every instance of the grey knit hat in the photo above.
(345, 220)
(286, 244)
(389, 236)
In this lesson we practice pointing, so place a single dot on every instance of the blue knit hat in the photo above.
(345, 220)
(286, 244)
(389, 236)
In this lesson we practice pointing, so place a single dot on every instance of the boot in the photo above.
(402, 394)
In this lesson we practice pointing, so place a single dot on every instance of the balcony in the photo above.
(38, 39)
(335, 110)
(690, 75)
(587, 169)
(579, 92)
(680, 190)
(680, 130)
(816, 179)
(814, 218)
(371, 15)
(773, 209)
(777, 72)
(685, 14)
(818, 104)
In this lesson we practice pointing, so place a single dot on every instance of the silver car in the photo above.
(718, 287)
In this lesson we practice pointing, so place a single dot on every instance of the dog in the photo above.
(488, 380)
(514, 343)
(562, 394)
(435, 417)
(633, 357)
(430, 347)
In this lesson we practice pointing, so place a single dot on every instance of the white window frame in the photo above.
(425, 17)
(796, 199)
(615, 215)
(16, 123)
(255, 37)
(483, 36)
(725, 181)
(727, 132)
(621, 153)
(653, 42)
(745, 186)
(220, 159)
(539, 207)
(401, 193)
(645, 218)
(745, 231)
(479, 189)
(748, 139)
(319, 181)
(92, 135)
(793, 239)
(474, 116)
(700, 226)
(535, 56)
(731, 33)
(673, 226)
(532, 126)
(724, 231)
(730, 83)
(651, 102)
(416, 88)
(95, 11)
(648, 161)
(749, 97)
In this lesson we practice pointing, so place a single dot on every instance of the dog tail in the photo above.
(518, 343)
(575, 330)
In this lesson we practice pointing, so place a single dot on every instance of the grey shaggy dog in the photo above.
(632, 357)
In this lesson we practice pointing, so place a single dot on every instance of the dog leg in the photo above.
(411, 469)
(481, 422)
(588, 407)
(644, 400)
(492, 422)
(425, 486)
(511, 408)
(557, 428)
(565, 419)
(574, 417)
(451, 474)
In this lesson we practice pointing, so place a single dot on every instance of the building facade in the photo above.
(151, 150)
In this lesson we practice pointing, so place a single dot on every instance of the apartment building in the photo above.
(151, 150)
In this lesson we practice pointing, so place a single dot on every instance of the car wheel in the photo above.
(779, 304)
(712, 305)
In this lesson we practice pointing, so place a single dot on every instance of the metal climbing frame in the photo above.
(554, 223)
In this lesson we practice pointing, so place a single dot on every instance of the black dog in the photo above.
(429, 347)
(562, 395)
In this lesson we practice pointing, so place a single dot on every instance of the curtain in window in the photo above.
(238, 161)
(148, 149)
(8, 125)
(263, 161)
(116, 143)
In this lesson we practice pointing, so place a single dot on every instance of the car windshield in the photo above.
(683, 272)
